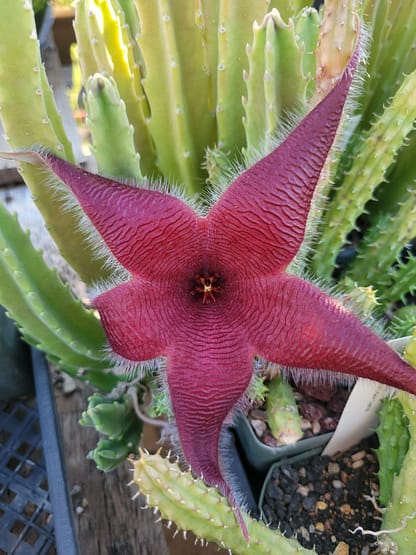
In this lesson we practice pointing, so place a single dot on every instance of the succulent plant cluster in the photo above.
(157, 113)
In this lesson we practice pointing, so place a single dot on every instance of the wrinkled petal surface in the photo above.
(138, 318)
(152, 234)
(207, 377)
(305, 328)
(258, 224)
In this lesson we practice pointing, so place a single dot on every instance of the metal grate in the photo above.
(26, 521)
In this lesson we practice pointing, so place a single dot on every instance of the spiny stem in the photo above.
(193, 506)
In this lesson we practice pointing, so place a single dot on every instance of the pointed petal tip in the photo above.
(240, 520)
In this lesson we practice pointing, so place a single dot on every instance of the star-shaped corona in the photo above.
(209, 293)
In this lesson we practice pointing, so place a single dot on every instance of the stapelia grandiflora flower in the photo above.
(209, 293)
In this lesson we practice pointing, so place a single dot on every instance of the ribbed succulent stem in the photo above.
(116, 420)
(401, 511)
(384, 242)
(178, 88)
(393, 52)
(25, 83)
(307, 31)
(131, 17)
(400, 281)
(107, 117)
(283, 416)
(337, 38)
(403, 322)
(234, 33)
(206, 19)
(29, 115)
(193, 506)
(86, 55)
(288, 8)
(393, 436)
(399, 180)
(276, 85)
(375, 153)
(127, 75)
(105, 47)
(50, 317)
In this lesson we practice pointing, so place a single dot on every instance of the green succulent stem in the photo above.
(28, 114)
(384, 242)
(116, 420)
(276, 85)
(235, 20)
(282, 412)
(307, 31)
(178, 88)
(194, 506)
(372, 156)
(393, 435)
(48, 314)
(400, 513)
(106, 47)
(106, 117)
(392, 53)
(288, 8)
(399, 282)
(403, 322)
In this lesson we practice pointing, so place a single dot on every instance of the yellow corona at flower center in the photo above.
(206, 287)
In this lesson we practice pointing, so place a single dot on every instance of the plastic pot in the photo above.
(260, 456)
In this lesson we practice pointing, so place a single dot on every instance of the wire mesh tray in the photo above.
(35, 506)
(26, 521)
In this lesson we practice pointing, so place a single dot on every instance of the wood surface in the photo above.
(107, 520)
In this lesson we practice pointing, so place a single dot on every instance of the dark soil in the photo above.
(322, 499)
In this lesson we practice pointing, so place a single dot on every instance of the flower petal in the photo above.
(137, 317)
(152, 234)
(207, 376)
(305, 328)
(264, 212)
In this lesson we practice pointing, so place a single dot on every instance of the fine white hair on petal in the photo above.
(306, 376)
(60, 191)
(131, 369)
(91, 236)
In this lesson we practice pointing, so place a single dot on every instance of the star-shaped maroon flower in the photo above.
(210, 293)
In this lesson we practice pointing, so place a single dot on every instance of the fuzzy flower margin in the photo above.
(210, 293)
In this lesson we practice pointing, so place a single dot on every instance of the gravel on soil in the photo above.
(320, 500)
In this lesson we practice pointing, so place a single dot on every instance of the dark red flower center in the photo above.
(206, 287)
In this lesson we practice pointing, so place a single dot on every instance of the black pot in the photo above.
(16, 377)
